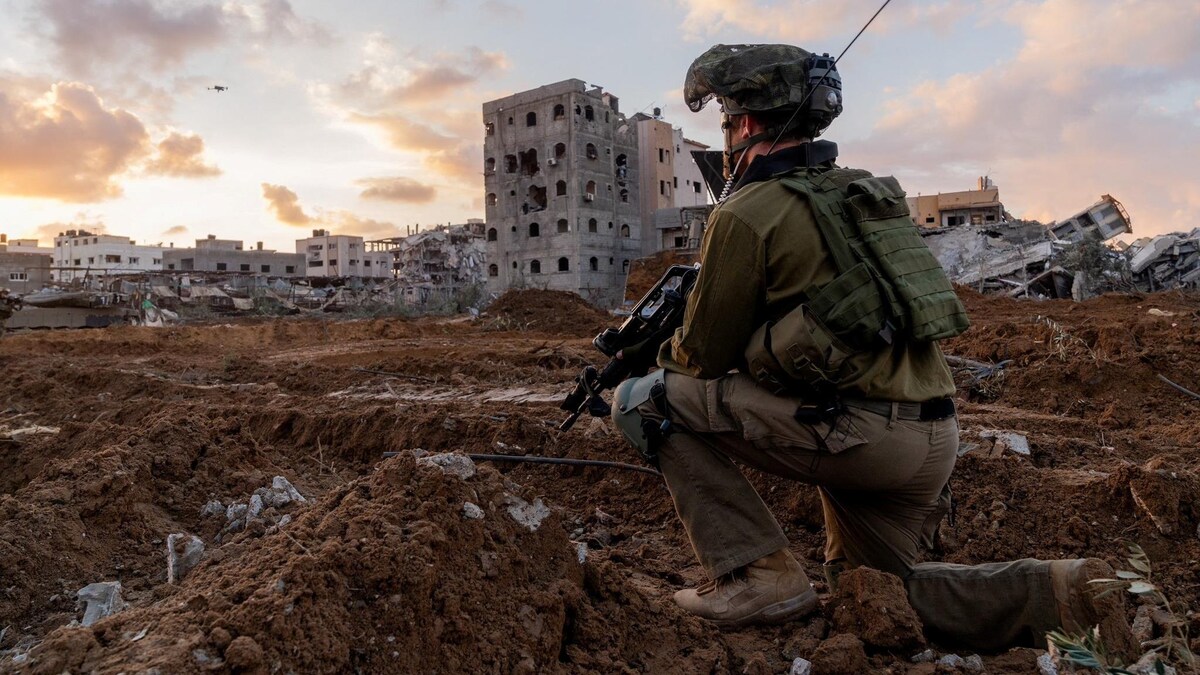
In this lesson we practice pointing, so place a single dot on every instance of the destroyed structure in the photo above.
(1166, 261)
(342, 255)
(437, 263)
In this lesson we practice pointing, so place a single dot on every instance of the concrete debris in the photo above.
(1148, 665)
(801, 667)
(472, 511)
(1143, 624)
(451, 463)
(101, 599)
(581, 550)
(235, 512)
(1006, 441)
(263, 504)
(183, 553)
(952, 661)
(212, 508)
(927, 656)
(529, 515)
(1166, 261)
(1047, 665)
(255, 507)
(973, 663)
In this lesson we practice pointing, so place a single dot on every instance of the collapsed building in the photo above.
(1166, 261)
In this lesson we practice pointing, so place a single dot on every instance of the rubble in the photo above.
(801, 667)
(529, 515)
(1166, 261)
(451, 463)
(101, 599)
(1006, 441)
(183, 553)
(841, 654)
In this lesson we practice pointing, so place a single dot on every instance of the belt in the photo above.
(928, 411)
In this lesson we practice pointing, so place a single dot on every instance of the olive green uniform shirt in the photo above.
(762, 255)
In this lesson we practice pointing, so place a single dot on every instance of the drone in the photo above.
(218, 87)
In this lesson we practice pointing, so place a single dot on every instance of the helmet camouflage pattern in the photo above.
(760, 78)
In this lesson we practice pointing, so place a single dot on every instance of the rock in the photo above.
(285, 519)
(927, 656)
(951, 661)
(451, 463)
(801, 667)
(254, 508)
(235, 511)
(841, 654)
(281, 483)
(874, 606)
(471, 511)
(212, 508)
(1148, 665)
(1143, 624)
(529, 515)
(1006, 441)
(581, 550)
(183, 553)
(102, 599)
(973, 663)
(1046, 665)
(244, 653)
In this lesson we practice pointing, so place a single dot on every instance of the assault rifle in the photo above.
(654, 319)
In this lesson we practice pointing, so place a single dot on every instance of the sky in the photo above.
(364, 117)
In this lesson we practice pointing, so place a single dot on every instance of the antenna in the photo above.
(800, 106)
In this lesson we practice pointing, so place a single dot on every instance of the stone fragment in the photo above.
(581, 551)
(951, 661)
(285, 519)
(801, 667)
(281, 483)
(101, 599)
(212, 508)
(973, 663)
(1148, 665)
(472, 511)
(1143, 624)
(874, 606)
(235, 511)
(1046, 665)
(183, 553)
(451, 463)
(254, 508)
(529, 515)
(1006, 441)
(841, 654)
(927, 656)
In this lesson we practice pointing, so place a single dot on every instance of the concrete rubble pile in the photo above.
(1166, 261)
(1026, 258)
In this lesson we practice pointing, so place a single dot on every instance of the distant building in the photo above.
(670, 179)
(79, 254)
(23, 246)
(341, 255)
(228, 256)
(24, 272)
(561, 191)
(1106, 218)
(970, 207)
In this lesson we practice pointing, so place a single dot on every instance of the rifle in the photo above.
(654, 320)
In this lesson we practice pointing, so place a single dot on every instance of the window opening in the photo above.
(492, 234)
(493, 270)
(564, 265)
(591, 225)
(563, 225)
(535, 267)
(588, 113)
(560, 188)
(594, 264)
(624, 230)
(533, 229)
(559, 112)
(591, 151)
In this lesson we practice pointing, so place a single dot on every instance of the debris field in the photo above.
(214, 498)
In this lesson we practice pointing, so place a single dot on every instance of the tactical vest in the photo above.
(888, 287)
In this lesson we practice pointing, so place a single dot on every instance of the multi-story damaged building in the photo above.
(980, 206)
(562, 195)
(1105, 219)
(672, 187)
(342, 255)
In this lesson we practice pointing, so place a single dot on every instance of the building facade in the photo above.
(229, 256)
(562, 195)
(24, 272)
(671, 183)
(342, 255)
(980, 206)
(79, 254)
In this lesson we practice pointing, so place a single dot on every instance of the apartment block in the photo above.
(229, 256)
(24, 272)
(79, 254)
(342, 255)
(670, 183)
(562, 193)
(980, 206)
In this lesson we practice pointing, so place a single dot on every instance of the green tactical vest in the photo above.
(889, 285)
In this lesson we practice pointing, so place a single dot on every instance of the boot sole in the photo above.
(780, 612)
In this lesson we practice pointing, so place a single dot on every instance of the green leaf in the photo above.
(1124, 574)
(1140, 587)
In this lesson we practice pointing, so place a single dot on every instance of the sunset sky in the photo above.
(364, 117)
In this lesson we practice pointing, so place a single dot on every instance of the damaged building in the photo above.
(561, 191)
(1166, 261)
(440, 261)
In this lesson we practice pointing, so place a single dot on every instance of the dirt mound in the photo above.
(411, 569)
(874, 606)
(556, 312)
(645, 272)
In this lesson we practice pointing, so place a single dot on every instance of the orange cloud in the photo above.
(180, 156)
(405, 134)
(285, 205)
(387, 80)
(804, 22)
(398, 189)
(345, 222)
(175, 231)
(66, 144)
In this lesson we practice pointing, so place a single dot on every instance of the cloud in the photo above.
(180, 156)
(805, 21)
(175, 231)
(345, 222)
(409, 80)
(65, 144)
(285, 205)
(275, 20)
(405, 134)
(397, 189)
(82, 221)
(86, 33)
(1064, 120)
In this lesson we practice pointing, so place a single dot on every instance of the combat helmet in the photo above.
(768, 78)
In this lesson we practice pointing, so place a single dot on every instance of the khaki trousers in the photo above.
(882, 482)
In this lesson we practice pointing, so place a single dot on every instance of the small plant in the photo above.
(1062, 341)
(1088, 651)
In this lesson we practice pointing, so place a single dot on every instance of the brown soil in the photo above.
(383, 570)
(645, 272)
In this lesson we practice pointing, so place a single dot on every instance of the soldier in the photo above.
(865, 416)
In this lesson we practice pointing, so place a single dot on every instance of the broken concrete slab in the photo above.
(801, 667)
(529, 515)
(101, 599)
(282, 484)
(212, 508)
(472, 511)
(184, 552)
(1006, 441)
(451, 463)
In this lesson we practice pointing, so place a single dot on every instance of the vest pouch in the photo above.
(851, 307)
(796, 354)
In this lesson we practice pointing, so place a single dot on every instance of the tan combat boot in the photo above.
(1079, 609)
(773, 589)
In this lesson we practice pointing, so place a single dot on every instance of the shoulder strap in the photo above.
(823, 190)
